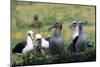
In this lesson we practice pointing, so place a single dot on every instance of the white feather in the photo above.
(45, 44)
(29, 46)
(76, 32)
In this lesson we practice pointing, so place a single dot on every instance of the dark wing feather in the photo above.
(47, 38)
(19, 47)
(74, 42)
(72, 45)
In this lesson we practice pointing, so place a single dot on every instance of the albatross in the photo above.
(24, 47)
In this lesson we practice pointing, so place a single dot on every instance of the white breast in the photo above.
(29, 47)
(45, 44)
(76, 32)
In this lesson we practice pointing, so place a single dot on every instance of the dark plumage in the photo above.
(19, 47)
(56, 41)
(36, 21)
(47, 38)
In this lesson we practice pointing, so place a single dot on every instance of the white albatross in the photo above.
(24, 47)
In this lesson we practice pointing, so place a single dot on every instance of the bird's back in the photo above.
(19, 47)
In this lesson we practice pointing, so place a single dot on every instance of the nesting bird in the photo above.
(24, 47)
(56, 42)
(80, 41)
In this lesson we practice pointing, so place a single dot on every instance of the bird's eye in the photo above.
(38, 39)
(74, 23)
(80, 23)
(29, 34)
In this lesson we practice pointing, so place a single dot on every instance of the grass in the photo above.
(22, 20)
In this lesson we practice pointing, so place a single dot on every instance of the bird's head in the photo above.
(38, 38)
(56, 25)
(30, 34)
(74, 24)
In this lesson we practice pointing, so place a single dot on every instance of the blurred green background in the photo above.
(23, 20)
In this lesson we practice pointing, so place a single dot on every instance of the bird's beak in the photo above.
(50, 28)
(36, 40)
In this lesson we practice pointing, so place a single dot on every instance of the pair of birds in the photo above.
(80, 41)
(54, 44)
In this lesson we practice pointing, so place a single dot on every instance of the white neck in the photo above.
(76, 32)
(29, 41)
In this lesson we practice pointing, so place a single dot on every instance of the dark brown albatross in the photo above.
(56, 42)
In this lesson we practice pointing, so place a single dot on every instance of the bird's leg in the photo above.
(43, 52)
(34, 50)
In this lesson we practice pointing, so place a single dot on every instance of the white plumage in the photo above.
(24, 47)
(44, 43)
(30, 44)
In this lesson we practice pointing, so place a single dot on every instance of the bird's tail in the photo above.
(13, 50)
(89, 45)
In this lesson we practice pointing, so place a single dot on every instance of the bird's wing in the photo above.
(47, 38)
(72, 45)
(19, 47)
(75, 40)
